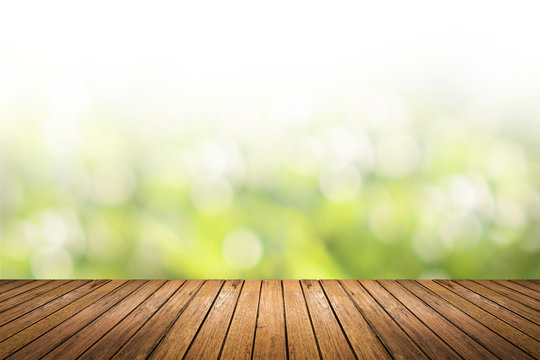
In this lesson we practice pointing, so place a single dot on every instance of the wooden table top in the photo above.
(269, 319)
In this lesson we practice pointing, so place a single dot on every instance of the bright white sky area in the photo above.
(233, 58)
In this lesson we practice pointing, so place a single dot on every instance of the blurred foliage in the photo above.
(367, 194)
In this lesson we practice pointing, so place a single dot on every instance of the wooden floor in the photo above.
(272, 319)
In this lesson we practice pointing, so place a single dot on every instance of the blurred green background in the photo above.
(211, 144)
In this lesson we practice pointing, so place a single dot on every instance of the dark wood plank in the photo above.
(84, 338)
(38, 299)
(48, 341)
(110, 343)
(430, 343)
(458, 340)
(209, 340)
(520, 323)
(32, 294)
(176, 341)
(29, 334)
(143, 342)
(22, 289)
(11, 284)
(392, 336)
(364, 341)
(270, 339)
(533, 294)
(511, 304)
(530, 285)
(518, 338)
(48, 308)
(333, 343)
(239, 341)
(300, 337)
(534, 304)
(492, 341)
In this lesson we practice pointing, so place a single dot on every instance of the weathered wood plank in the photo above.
(396, 341)
(22, 289)
(511, 293)
(270, 338)
(109, 344)
(48, 341)
(29, 334)
(176, 341)
(143, 342)
(430, 343)
(300, 337)
(84, 338)
(240, 338)
(207, 344)
(510, 333)
(492, 341)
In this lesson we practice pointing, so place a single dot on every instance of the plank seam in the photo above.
(367, 321)
(60, 323)
(54, 312)
(230, 321)
(501, 335)
(310, 320)
(204, 319)
(501, 305)
(257, 320)
(94, 319)
(451, 322)
(337, 319)
(175, 319)
(110, 329)
(144, 323)
(19, 294)
(284, 319)
(517, 291)
(525, 285)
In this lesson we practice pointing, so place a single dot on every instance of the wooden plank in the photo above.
(21, 289)
(41, 312)
(143, 342)
(300, 337)
(458, 340)
(39, 299)
(520, 323)
(176, 341)
(29, 334)
(270, 338)
(511, 293)
(209, 340)
(87, 336)
(518, 338)
(111, 342)
(364, 341)
(333, 343)
(32, 294)
(482, 334)
(530, 285)
(510, 304)
(428, 341)
(239, 340)
(48, 341)
(533, 294)
(12, 284)
(395, 340)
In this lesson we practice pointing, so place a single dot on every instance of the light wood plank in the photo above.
(270, 338)
(239, 341)
(430, 343)
(209, 340)
(492, 341)
(300, 337)
(143, 342)
(518, 338)
(176, 341)
(29, 334)
(48, 341)
(84, 338)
